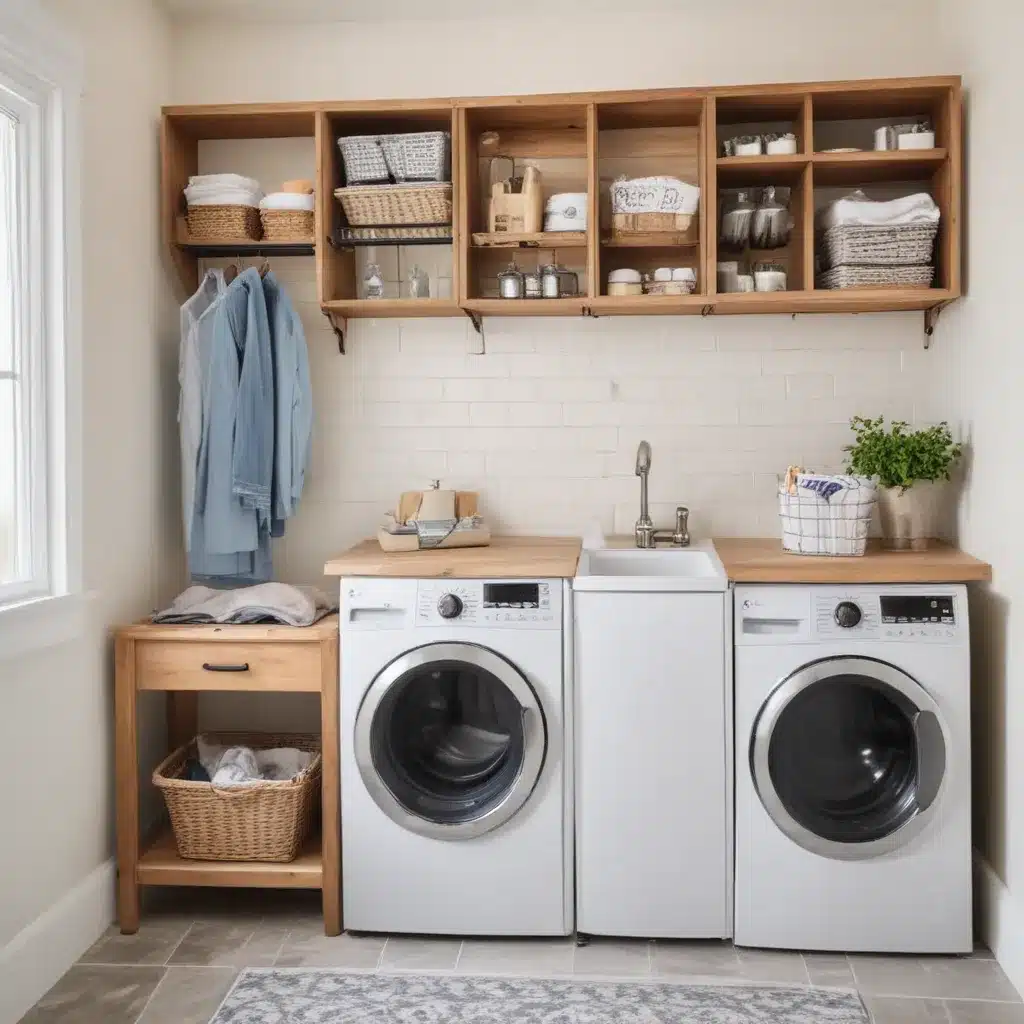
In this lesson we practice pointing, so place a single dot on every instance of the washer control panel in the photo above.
(891, 616)
(516, 604)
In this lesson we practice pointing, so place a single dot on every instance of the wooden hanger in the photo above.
(265, 268)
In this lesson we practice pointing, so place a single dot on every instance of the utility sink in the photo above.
(694, 568)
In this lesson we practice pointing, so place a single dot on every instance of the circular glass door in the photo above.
(450, 740)
(847, 752)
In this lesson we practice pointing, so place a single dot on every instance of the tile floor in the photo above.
(179, 966)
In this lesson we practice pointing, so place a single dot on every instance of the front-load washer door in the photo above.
(450, 740)
(848, 755)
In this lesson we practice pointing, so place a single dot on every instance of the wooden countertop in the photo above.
(207, 632)
(762, 560)
(503, 558)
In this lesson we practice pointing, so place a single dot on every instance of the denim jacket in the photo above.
(293, 426)
(231, 523)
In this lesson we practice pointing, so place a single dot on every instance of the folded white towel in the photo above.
(287, 201)
(856, 208)
(225, 180)
(222, 190)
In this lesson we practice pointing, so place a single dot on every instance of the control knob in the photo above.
(449, 606)
(847, 614)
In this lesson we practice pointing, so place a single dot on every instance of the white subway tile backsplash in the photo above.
(545, 423)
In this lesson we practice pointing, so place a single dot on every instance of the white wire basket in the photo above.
(828, 515)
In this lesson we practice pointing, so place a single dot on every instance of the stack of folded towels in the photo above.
(223, 190)
(863, 242)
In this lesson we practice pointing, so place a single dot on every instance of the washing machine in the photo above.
(852, 715)
(456, 799)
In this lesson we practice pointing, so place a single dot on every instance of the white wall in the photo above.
(979, 366)
(56, 706)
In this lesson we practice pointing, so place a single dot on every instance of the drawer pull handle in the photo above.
(244, 667)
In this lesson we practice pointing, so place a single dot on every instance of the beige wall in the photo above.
(980, 367)
(55, 725)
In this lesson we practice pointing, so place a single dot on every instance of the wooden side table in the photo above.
(183, 661)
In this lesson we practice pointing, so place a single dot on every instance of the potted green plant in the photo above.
(913, 470)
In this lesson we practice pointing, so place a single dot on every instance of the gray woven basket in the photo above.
(876, 277)
(858, 245)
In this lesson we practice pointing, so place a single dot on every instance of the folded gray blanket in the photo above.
(265, 602)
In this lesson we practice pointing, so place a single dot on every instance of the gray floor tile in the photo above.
(311, 948)
(695, 959)
(932, 977)
(188, 995)
(896, 1010)
(97, 994)
(613, 958)
(520, 957)
(973, 1012)
(238, 943)
(829, 970)
(420, 954)
(781, 967)
(153, 943)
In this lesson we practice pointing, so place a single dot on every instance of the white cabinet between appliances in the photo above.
(653, 777)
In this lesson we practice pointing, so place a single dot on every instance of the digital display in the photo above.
(511, 595)
(903, 608)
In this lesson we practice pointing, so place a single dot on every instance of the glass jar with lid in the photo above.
(510, 282)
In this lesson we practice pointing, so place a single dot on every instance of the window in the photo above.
(38, 313)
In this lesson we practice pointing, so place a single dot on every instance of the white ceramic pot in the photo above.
(911, 518)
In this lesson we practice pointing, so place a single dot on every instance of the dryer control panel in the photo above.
(515, 604)
(773, 614)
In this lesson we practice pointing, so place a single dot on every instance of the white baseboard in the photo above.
(41, 952)
(1000, 920)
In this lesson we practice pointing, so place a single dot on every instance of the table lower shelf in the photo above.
(160, 864)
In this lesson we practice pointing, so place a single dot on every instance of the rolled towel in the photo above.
(299, 185)
(287, 201)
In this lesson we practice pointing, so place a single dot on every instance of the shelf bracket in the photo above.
(707, 310)
(339, 326)
(931, 318)
(477, 320)
(588, 311)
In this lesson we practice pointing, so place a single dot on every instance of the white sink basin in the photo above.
(696, 568)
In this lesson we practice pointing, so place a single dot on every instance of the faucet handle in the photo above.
(681, 535)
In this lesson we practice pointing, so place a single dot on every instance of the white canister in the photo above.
(882, 138)
(916, 140)
(781, 145)
(770, 280)
(748, 148)
(566, 211)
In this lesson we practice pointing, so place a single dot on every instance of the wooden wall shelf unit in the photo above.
(582, 142)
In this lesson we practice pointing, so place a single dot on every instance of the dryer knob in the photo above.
(450, 606)
(847, 614)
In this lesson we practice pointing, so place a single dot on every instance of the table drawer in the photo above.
(189, 665)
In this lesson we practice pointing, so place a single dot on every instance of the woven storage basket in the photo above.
(384, 232)
(898, 245)
(418, 156)
(363, 158)
(830, 524)
(224, 223)
(267, 821)
(397, 204)
(876, 277)
(287, 225)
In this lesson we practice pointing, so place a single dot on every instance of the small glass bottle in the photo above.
(373, 282)
(419, 283)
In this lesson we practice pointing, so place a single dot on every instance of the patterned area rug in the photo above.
(335, 997)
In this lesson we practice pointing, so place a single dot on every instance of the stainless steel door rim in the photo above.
(534, 745)
(931, 732)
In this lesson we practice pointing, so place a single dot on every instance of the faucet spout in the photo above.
(643, 459)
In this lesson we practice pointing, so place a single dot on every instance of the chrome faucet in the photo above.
(645, 533)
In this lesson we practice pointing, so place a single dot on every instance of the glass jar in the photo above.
(373, 282)
(532, 285)
(419, 283)
(772, 223)
(549, 282)
(510, 283)
(738, 208)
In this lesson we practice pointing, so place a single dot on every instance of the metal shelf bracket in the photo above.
(707, 310)
(477, 320)
(339, 325)
(931, 318)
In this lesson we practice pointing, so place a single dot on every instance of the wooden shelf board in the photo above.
(784, 168)
(160, 864)
(385, 308)
(535, 240)
(527, 307)
(652, 240)
(871, 166)
(840, 300)
(213, 250)
(651, 305)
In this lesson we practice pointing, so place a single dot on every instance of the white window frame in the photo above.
(41, 76)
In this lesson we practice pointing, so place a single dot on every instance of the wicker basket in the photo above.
(224, 223)
(385, 233)
(833, 520)
(897, 245)
(876, 277)
(397, 204)
(287, 225)
(364, 159)
(418, 156)
(268, 821)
